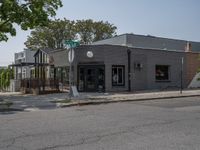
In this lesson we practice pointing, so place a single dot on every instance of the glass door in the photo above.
(91, 78)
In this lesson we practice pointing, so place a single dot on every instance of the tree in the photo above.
(103, 30)
(91, 31)
(5, 76)
(26, 13)
(53, 35)
(84, 28)
(3, 79)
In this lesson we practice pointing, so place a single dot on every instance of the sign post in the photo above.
(182, 61)
(71, 44)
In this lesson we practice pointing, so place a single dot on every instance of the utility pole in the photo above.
(70, 72)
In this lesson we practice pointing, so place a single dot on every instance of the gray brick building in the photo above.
(127, 68)
(131, 63)
(135, 62)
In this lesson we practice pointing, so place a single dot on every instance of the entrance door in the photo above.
(91, 78)
(90, 82)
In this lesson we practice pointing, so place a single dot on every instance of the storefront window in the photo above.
(162, 72)
(118, 75)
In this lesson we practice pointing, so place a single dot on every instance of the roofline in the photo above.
(111, 37)
(57, 50)
(144, 48)
(43, 51)
(40, 50)
(152, 36)
(36, 53)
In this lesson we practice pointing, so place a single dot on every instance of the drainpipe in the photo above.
(181, 89)
(129, 69)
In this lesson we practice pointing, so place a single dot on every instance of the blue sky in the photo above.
(179, 19)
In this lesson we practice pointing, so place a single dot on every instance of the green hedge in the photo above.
(5, 76)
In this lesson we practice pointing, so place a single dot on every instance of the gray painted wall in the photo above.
(60, 58)
(27, 57)
(140, 80)
(145, 79)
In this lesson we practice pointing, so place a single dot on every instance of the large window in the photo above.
(62, 74)
(118, 75)
(162, 73)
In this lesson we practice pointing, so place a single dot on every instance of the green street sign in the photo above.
(72, 43)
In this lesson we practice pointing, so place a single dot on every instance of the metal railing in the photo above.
(42, 85)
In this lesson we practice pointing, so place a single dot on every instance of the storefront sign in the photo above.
(90, 54)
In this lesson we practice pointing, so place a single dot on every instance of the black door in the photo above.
(91, 78)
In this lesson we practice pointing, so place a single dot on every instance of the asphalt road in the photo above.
(172, 124)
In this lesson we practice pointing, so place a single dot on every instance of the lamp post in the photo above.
(71, 44)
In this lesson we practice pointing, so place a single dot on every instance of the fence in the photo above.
(39, 86)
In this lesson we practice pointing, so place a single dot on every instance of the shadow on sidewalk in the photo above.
(31, 102)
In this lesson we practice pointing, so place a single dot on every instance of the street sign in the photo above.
(72, 43)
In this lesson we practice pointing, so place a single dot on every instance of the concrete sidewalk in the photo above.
(98, 98)
(52, 101)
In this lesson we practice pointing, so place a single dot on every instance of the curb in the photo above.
(94, 102)
(11, 110)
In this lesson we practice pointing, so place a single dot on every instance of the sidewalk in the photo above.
(52, 101)
(98, 98)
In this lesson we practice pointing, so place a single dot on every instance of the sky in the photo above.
(178, 19)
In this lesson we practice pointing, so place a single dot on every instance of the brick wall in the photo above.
(192, 65)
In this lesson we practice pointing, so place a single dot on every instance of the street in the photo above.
(167, 124)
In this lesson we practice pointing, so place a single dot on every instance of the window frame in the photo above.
(169, 74)
(123, 75)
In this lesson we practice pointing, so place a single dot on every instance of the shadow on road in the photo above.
(31, 102)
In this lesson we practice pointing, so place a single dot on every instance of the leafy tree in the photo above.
(91, 31)
(103, 30)
(52, 35)
(56, 31)
(1, 70)
(84, 28)
(3, 79)
(5, 76)
(25, 13)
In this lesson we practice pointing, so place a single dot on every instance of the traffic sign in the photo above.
(71, 55)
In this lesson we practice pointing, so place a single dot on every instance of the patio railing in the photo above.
(39, 86)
